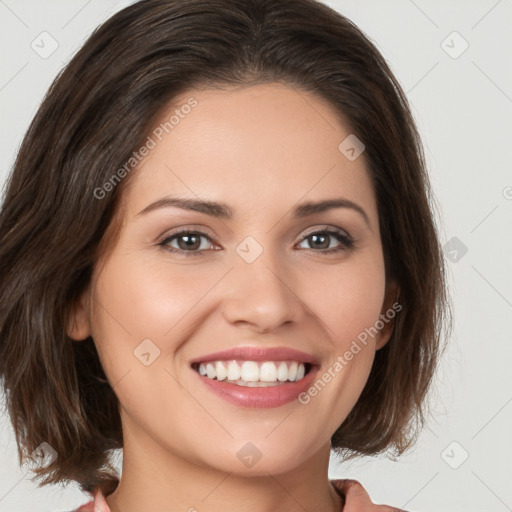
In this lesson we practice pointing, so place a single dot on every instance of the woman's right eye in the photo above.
(189, 242)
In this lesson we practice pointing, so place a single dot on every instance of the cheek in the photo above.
(138, 300)
(348, 300)
(348, 308)
(145, 299)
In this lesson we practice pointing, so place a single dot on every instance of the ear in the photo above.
(390, 309)
(78, 325)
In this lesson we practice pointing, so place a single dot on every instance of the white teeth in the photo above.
(258, 384)
(268, 372)
(282, 372)
(233, 370)
(292, 371)
(210, 371)
(220, 371)
(252, 373)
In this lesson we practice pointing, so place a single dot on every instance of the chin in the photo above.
(246, 458)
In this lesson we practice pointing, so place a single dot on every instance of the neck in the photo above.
(154, 479)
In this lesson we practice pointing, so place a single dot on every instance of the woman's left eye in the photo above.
(319, 238)
(189, 242)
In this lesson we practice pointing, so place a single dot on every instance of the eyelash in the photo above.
(346, 241)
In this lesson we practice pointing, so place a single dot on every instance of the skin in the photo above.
(261, 149)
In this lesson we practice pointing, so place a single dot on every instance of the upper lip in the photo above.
(258, 354)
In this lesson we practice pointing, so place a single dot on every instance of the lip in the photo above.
(263, 398)
(259, 354)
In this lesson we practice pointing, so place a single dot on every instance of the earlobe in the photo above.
(384, 336)
(78, 326)
(388, 313)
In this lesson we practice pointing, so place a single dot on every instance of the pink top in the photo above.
(355, 499)
(98, 504)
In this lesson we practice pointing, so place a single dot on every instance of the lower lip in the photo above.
(272, 396)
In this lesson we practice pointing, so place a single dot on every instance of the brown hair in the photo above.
(98, 112)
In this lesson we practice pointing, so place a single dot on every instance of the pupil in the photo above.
(191, 241)
(316, 237)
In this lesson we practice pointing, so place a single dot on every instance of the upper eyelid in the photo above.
(327, 229)
(205, 231)
(180, 231)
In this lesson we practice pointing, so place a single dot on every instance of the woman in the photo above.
(218, 254)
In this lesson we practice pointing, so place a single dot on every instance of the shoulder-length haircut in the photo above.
(98, 111)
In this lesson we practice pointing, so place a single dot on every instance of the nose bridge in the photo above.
(260, 290)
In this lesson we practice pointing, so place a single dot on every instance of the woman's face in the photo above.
(254, 277)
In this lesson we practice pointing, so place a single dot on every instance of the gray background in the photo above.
(462, 101)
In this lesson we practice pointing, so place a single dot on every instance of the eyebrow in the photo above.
(223, 211)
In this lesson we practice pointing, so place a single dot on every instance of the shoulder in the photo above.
(356, 499)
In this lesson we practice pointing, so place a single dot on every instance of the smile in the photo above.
(253, 373)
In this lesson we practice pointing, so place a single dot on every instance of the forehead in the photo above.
(260, 146)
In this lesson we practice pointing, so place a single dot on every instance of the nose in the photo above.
(260, 296)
